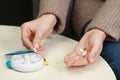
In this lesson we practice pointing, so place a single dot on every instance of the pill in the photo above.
(86, 49)
(81, 50)
(35, 49)
(84, 53)
(46, 63)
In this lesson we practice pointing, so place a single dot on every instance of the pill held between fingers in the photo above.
(35, 49)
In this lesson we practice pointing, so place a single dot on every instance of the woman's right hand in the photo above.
(34, 31)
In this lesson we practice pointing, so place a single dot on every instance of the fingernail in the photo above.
(36, 46)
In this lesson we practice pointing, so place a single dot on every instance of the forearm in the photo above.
(59, 8)
(108, 19)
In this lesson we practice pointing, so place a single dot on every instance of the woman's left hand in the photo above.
(93, 41)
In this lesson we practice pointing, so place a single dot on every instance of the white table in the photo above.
(57, 47)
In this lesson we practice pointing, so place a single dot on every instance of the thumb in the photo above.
(94, 53)
(36, 40)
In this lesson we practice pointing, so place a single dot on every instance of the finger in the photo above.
(94, 53)
(27, 43)
(74, 59)
(41, 48)
(80, 62)
(36, 40)
(25, 36)
(69, 57)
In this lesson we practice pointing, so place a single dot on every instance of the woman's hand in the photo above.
(34, 31)
(93, 40)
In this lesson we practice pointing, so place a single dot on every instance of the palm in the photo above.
(91, 40)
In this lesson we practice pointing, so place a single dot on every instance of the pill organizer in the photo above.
(24, 61)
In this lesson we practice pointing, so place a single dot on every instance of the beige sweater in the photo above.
(105, 14)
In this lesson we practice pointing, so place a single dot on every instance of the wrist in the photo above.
(51, 17)
(100, 32)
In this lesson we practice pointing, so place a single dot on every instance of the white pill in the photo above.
(35, 49)
(84, 53)
(81, 50)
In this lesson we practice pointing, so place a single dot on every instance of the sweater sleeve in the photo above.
(107, 19)
(59, 8)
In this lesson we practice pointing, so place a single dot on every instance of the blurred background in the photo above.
(15, 12)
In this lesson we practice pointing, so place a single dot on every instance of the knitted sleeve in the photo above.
(107, 19)
(59, 8)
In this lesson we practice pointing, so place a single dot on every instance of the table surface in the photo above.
(57, 47)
